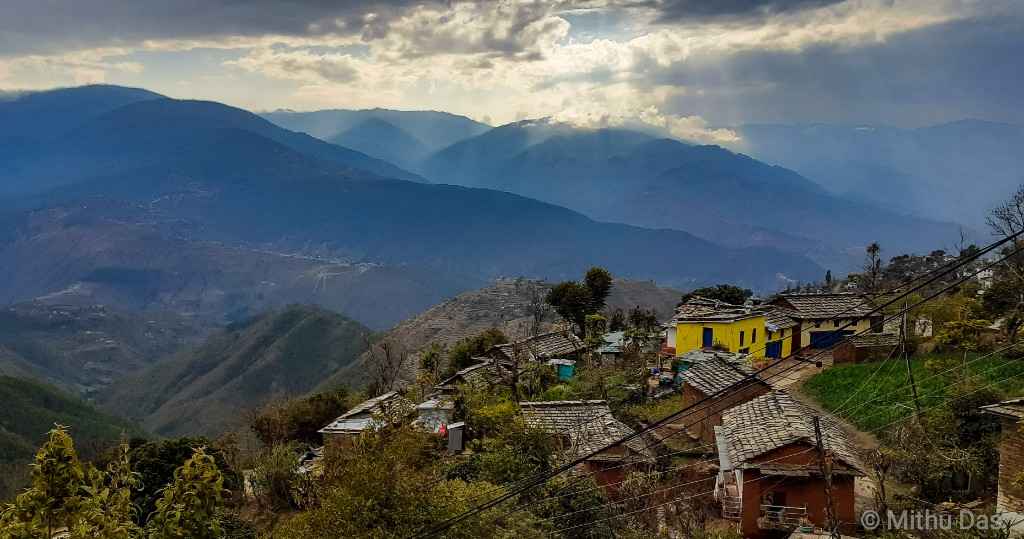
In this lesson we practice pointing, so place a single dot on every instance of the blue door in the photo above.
(827, 339)
(708, 338)
(773, 349)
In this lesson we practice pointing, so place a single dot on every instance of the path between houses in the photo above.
(865, 487)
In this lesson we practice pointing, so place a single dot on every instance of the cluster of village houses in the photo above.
(770, 445)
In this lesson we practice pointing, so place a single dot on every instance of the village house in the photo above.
(770, 477)
(363, 417)
(711, 372)
(733, 329)
(435, 414)
(484, 374)
(692, 307)
(826, 318)
(555, 344)
(866, 347)
(581, 427)
(1010, 496)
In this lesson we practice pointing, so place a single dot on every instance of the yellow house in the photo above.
(738, 330)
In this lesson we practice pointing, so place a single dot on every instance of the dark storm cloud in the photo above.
(684, 10)
(968, 68)
(29, 26)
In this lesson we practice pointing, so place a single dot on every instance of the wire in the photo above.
(567, 466)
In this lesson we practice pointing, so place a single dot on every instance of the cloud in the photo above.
(302, 65)
(685, 10)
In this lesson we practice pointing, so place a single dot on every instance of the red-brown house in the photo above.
(1010, 499)
(581, 427)
(770, 478)
(712, 372)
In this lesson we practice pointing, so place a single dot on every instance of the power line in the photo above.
(569, 465)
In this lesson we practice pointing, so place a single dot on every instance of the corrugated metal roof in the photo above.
(1013, 409)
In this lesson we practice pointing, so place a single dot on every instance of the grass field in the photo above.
(874, 395)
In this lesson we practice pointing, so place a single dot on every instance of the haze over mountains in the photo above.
(953, 171)
(207, 209)
(642, 178)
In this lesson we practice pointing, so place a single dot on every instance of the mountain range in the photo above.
(209, 389)
(644, 179)
(208, 210)
(955, 171)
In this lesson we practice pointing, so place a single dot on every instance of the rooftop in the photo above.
(543, 346)
(775, 420)
(871, 340)
(830, 305)
(589, 425)
(361, 416)
(778, 318)
(1011, 409)
(714, 371)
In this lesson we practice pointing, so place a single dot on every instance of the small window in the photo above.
(817, 323)
(753, 336)
(741, 338)
(769, 334)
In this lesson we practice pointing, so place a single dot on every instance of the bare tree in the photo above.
(386, 363)
(1005, 221)
(872, 266)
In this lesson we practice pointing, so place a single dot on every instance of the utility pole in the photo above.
(906, 358)
(825, 463)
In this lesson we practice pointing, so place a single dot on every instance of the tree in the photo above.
(828, 279)
(872, 266)
(298, 420)
(387, 361)
(1006, 297)
(188, 508)
(723, 292)
(617, 322)
(599, 283)
(573, 300)
(462, 353)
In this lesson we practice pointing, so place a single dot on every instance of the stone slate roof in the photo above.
(588, 425)
(777, 318)
(872, 340)
(826, 306)
(479, 374)
(713, 371)
(775, 420)
(544, 346)
(361, 416)
(1011, 409)
(698, 306)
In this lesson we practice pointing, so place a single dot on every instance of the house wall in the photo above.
(701, 422)
(798, 491)
(784, 335)
(1010, 498)
(690, 334)
(810, 326)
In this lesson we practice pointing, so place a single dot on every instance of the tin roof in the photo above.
(775, 420)
(360, 416)
(1011, 409)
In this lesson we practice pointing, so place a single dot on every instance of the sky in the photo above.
(692, 67)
